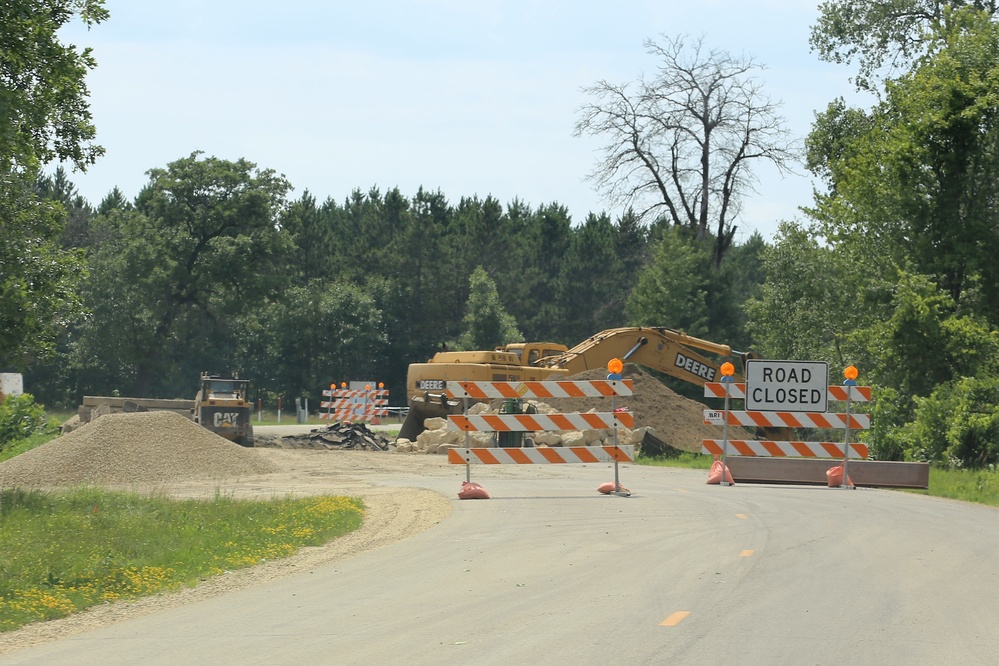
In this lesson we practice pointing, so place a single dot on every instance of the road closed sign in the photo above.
(786, 386)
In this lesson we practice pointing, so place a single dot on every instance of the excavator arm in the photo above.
(669, 351)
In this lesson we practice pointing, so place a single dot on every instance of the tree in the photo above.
(811, 299)
(683, 143)
(315, 335)
(487, 324)
(38, 279)
(58, 187)
(44, 114)
(591, 284)
(916, 180)
(673, 289)
(177, 273)
(883, 34)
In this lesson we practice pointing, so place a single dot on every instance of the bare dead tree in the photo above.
(682, 142)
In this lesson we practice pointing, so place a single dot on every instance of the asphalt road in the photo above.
(551, 572)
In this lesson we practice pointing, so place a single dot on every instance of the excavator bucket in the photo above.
(424, 407)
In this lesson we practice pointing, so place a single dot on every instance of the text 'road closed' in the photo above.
(789, 386)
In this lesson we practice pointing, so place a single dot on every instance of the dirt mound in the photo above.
(676, 420)
(123, 449)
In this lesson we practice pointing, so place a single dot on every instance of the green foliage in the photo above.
(958, 423)
(44, 114)
(125, 546)
(926, 340)
(882, 33)
(915, 179)
(38, 278)
(20, 418)
(487, 324)
(174, 278)
(316, 335)
(673, 289)
(591, 305)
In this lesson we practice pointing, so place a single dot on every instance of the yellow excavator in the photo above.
(664, 349)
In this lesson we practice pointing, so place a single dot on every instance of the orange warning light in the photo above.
(615, 366)
(381, 385)
(850, 372)
(727, 369)
(332, 386)
(343, 384)
(367, 387)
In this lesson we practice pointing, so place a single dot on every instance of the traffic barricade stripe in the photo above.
(551, 455)
(775, 449)
(346, 402)
(354, 393)
(790, 420)
(541, 456)
(540, 389)
(519, 457)
(535, 422)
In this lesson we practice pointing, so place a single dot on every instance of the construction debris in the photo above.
(341, 436)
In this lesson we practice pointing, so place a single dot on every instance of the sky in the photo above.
(469, 98)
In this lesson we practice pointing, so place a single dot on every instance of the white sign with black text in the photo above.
(786, 386)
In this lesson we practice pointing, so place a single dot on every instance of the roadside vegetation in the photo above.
(124, 545)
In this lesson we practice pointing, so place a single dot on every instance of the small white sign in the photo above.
(787, 386)
(714, 417)
(11, 383)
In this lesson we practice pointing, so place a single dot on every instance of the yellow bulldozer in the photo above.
(223, 406)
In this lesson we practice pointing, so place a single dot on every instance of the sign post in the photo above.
(850, 373)
(614, 368)
(727, 370)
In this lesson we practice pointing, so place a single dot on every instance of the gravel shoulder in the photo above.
(391, 514)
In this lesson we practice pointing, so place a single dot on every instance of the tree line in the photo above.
(216, 266)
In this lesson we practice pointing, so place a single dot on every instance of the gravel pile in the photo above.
(121, 449)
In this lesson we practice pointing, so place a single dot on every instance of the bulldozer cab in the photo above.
(223, 389)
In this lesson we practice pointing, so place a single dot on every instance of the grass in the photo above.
(980, 486)
(64, 552)
(684, 459)
(26, 445)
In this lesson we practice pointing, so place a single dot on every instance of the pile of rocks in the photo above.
(438, 439)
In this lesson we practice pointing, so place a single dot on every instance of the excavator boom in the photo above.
(669, 351)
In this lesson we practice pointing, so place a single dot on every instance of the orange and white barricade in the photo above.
(354, 405)
(611, 420)
(848, 421)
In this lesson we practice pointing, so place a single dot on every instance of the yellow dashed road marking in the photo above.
(745, 553)
(674, 619)
(740, 516)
